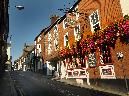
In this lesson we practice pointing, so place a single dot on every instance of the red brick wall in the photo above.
(109, 11)
(119, 47)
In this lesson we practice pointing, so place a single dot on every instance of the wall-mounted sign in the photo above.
(107, 72)
(77, 73)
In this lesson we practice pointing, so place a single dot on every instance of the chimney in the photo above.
(53, 18)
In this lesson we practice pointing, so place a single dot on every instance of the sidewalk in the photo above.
(73, 82)
(6, 85)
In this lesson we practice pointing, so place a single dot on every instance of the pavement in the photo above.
(6, 85)
(93, 87)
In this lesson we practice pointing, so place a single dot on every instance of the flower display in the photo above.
(107, 36)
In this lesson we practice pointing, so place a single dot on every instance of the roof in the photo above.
(27, 49)
(61, 18)
(40, 33)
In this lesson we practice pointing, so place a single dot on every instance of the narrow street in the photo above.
(32, 84)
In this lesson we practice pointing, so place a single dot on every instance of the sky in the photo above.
(26, 24)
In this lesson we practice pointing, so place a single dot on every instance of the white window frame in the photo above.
(76, 12)
(64, 23)
(65, 39)
(75, 33)
(39, 48)
(56, 37)
(49, 42)
(39, 38)
(56, 27)
(91, 23)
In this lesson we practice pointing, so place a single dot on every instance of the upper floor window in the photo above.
(66, 40)
(56, 37)
(55, 28)
(76, 12)
(45, 44)
(77, 33)
(49, 42)
(34, 42)
(39, 38)
(94, 21)
(65, 24)
(49, 37)
(38, 48)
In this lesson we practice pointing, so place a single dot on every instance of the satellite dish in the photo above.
(19, 7)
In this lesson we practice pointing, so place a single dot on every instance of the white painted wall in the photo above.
(125, 7)
(49, 68)
(63, 70)
(9, 52)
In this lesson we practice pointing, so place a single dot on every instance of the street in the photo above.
(33, 84)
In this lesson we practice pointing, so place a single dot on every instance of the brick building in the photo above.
(4, 30)
(39, 51)
(87, 43)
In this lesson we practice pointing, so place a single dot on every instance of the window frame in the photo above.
(75, 32)
(56, 39)
(91, 21)
(64, 23)
(66, 40)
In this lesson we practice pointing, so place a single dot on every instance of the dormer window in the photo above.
(65, 25)
(66, 40)
(94, 21)
(77, 33)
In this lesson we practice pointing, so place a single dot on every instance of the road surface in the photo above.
(32, 84)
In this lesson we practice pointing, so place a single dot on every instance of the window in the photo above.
(55, 28)
(106, 56)
(56, 37)
(66, 40)
(49, 42)
(65, 25)
(39, 38)
(77, 33)
(45, 44)
(76, 12)
(39, 47)
(94, 21)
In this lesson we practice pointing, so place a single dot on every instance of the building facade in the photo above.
(9, 61)
(4, 30)
(86, 43)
